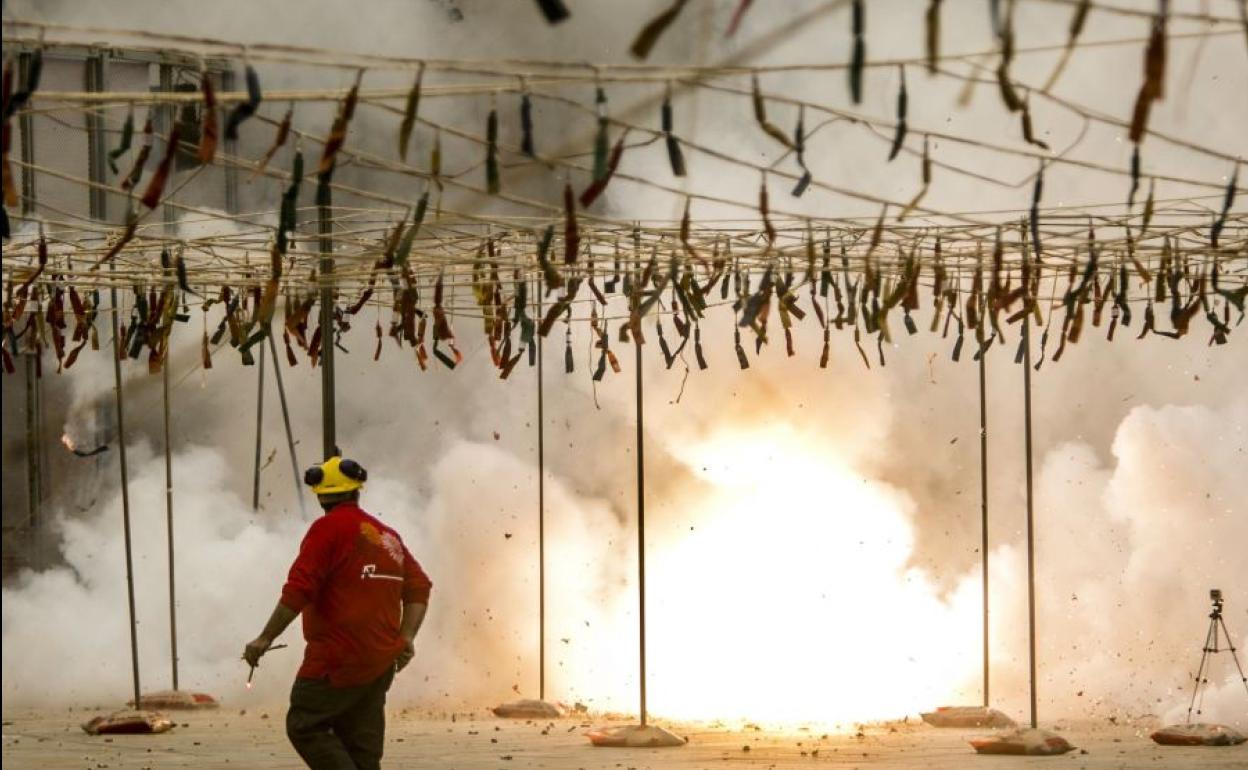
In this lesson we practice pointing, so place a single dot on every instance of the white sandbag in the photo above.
(1199, 734)
(967, 716)
(1030, 741)
(177, 699)
(128, 723)
(529, 709)
(634, 736)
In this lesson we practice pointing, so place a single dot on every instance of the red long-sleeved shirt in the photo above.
(351, 578)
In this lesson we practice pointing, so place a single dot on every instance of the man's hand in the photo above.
(255, 649)
(405, 657)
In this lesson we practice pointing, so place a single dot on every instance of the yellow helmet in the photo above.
(335, 476)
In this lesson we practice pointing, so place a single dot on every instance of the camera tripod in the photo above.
(1212, 646)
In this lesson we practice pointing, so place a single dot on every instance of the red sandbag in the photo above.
(967, 716)
(177, 699)
(634, 736)
(1030, 742)
(128, 723)
(1199, 734)
(529, 709)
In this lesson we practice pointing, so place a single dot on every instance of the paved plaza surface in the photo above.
(254, 738)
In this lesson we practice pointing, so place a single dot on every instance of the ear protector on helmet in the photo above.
(335, 475)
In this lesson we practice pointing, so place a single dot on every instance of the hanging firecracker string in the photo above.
(279, 141)
(675, 157)
(1077, 20)
(649, 34)
(410, 111)
(899, 136)
(336, 139)
(526, 121)
(1228, 200)
(925, 178)
(737, 16)
(1153, 87)
(127, 136)
(554, 10)
(858, 57)
(1029, 135)
(145, 150)
(760, 115)
(799, 145)
(492, 182)
(598, 186)
(208, 124)
(601, 140)
(1004, 82)
(244, 110)
(932, 34)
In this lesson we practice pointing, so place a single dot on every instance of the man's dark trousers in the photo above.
(339, 728)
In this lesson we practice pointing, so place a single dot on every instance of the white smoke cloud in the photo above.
(230, 565)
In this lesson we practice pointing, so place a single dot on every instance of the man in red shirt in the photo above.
(363, 598)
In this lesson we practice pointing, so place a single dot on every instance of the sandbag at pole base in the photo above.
(163, 700)
(1025, 742)
(527, 708)
(128, 722)
(1199, 734)
(967, 716)
(634, 737)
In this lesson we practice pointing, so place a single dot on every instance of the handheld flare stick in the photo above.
(252, 672)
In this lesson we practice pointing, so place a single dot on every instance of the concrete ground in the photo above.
(229, 739)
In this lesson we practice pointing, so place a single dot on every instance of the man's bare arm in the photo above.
(413, 616)
(281, 617)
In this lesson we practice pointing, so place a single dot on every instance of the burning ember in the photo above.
(71, 446)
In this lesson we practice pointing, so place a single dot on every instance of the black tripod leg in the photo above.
(1200, 670)
(1230, 641)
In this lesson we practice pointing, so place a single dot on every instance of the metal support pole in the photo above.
(329, 428)
(255, 480)
(983, 500)
(173, 610)
(41, 446)
(1031, 538)
(96, 150)
(228, 81)
(125, 488)
(641, 526)
(290, 437)
(167, 117)
(32, 455)
(26, 124)
(36, 459)
(541, 516)
(41, 464)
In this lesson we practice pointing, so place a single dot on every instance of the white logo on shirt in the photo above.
(370, 573)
